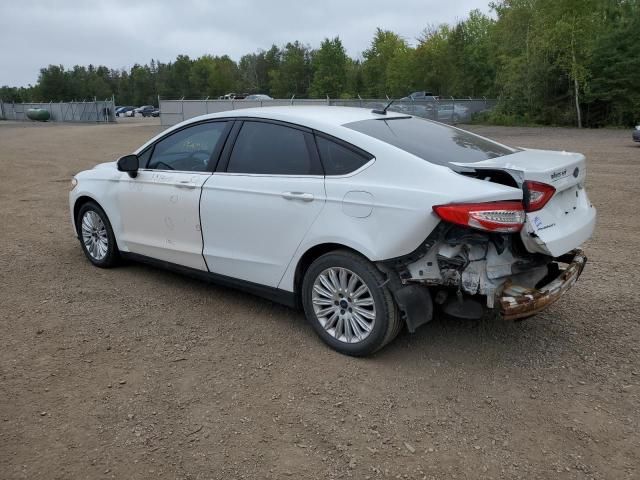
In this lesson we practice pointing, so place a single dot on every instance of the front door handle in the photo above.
(305, 197)
(185, 184)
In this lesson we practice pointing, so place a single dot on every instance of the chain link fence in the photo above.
(97, 111)
(452, 110)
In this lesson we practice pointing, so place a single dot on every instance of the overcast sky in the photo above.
(119, 33)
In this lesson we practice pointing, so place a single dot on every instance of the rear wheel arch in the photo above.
(385, 321)
(413, 313)
(309, 257)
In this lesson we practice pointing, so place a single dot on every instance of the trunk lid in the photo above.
(568, 219)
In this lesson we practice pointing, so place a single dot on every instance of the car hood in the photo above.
(109, 165)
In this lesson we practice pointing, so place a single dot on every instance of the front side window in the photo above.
(144, 157)
(189, 149)
(270, 149)
(433, 142)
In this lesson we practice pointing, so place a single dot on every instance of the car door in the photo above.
(159, 208)
(257, 209)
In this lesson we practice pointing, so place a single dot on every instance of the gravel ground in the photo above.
(139, 373)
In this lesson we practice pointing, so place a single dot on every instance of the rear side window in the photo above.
(338, 159)
(433, 142)
(270, 149)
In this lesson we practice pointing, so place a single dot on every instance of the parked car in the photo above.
(423, 104)
(636, 134)
(156, 112)
(146, 110)
(123, 111)
(369, 221)
(422, 95)
(452, 112)
(258, 96)
(233, 96)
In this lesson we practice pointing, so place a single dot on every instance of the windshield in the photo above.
(434, 142)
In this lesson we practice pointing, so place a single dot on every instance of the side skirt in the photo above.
(276, 295)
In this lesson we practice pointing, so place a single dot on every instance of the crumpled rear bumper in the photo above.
(519, 302)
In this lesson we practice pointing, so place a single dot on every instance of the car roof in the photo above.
(309, 116)
(327, 119)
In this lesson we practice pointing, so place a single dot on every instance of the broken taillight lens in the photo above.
(507, 216)
(536, 195)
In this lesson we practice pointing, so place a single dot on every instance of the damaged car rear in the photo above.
(508, 252)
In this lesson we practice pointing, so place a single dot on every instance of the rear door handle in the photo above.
(185, 184)
(305, 197)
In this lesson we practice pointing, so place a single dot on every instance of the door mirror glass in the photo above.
(129, 164)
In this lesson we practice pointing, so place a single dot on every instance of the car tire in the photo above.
(96, 236)
(343, 294)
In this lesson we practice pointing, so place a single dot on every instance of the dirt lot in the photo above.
(139, 373)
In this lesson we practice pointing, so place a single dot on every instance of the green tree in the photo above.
(201, 76)
(141, 86)
(432, 67)
(386, 65)
(16, 94)
(293, 77)
(180, 77)
(353, 78)
(570, 41)
(53, 84)
(248, 73)
(330, 69)
(224, 77)
(613, 95)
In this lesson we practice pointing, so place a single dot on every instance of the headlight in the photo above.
(74, 182)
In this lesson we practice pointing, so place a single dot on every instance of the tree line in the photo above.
(564, 62)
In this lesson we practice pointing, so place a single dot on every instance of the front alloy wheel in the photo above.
(96, 235)
(346, 301)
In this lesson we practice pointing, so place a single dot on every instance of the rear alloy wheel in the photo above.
(346, 304)
(96, 236)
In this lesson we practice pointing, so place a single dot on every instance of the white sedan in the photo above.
(368, 220)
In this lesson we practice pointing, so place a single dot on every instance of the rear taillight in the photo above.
(536, 195)
(505, 216)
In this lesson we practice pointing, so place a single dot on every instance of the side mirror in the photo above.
(129, 164)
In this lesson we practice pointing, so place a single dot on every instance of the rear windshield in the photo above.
(431, 141)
